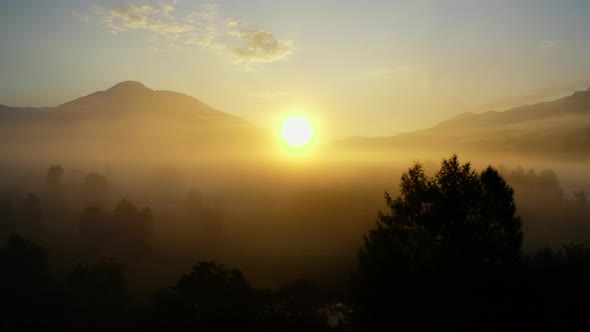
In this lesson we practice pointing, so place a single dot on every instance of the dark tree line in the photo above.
(123, 233)
(553, 216)
(446, 256)
(117, 230)
(96, 297)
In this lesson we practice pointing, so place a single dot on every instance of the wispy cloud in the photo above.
(260, 46)
(548, 43)
(204, 27)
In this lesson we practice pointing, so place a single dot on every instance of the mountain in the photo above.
(130, 121)
(124, 120)
(555, 129)
(126, 99)
(578, 104)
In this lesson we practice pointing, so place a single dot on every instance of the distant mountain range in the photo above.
(555, 129)
(130, 120)
(126, 119)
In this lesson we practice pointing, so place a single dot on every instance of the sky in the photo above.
(357, 68)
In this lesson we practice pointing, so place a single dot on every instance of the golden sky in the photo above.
(370, 68)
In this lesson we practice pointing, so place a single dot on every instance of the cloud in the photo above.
(548, 43)
(233, 23)
(260, 46)
(204, 28)
(158, 20)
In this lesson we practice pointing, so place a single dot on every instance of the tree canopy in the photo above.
(441, 235)
(456, 216)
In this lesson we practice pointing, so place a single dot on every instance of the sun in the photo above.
(297, 131)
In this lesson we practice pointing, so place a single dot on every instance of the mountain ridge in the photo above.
(131, 113)
(128, 116)
(576, 102)
(553, 129)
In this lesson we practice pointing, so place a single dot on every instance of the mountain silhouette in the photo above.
(131, 96)
(577, 104)
(130, 120)
(128, 117)
(558, 129)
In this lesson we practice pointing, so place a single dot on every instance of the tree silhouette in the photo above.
(96, 230)
(210, 298)
(31, 218)
(54, 197)
(131, 228)
(443, 235)
(54, 174)
(557, 288)
(95, 297)
(297, 307)
(97, 190)
(8, 211)
(124, 233)
(25, 285)
(553, 216)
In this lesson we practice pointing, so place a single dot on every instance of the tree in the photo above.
(31, 218)
(9, 199)
(97, 190)
(299, 306)
(124, 233)
(25, 285)
(96, 230)
(54, 198)
(557, 288)
(131, 228)
(444, 236)
(54, 174)
(95, 297)
(210, 298)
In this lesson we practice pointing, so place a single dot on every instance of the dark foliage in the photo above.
(448, 246)
(123, 234)
(97, 190)
(557, 288)
(95, 297)
(26, 286)
(447, 256)
(298, 307)
(209, 298)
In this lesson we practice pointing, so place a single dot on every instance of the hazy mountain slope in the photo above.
(131, 97)
(556, 129)
(578, 104)
(126, 119)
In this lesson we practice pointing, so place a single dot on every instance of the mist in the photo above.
(141, 186)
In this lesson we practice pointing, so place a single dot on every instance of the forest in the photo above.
(453, 248)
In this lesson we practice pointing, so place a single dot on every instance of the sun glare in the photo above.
(297, 131)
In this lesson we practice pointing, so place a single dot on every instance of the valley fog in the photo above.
(274, 218)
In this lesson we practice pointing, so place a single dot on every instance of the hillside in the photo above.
(128, 118)
(555, 129)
